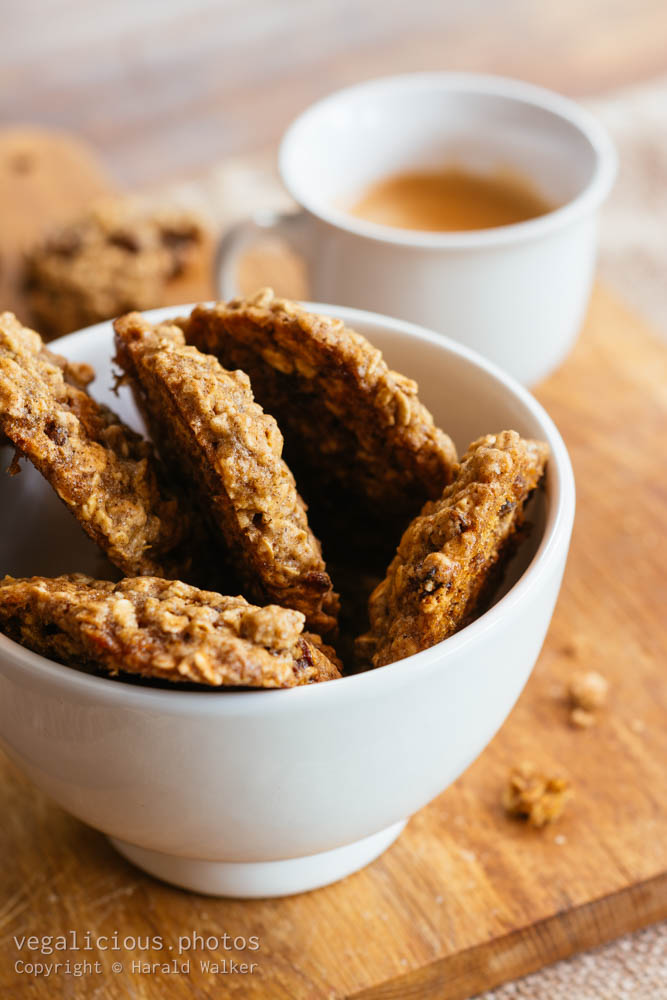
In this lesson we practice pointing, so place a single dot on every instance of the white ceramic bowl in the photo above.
(275, 792)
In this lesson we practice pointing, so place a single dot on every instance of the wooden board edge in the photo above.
(530, 948)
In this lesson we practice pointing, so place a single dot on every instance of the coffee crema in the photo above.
(450, 200)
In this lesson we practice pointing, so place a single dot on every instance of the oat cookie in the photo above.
(214, 437)
(443, 563)
(162, 629)
(104, 473)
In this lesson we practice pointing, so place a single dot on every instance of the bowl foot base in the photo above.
(257, 879)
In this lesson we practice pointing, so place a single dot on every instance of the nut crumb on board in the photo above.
(531, 796)
(164, 630)
(587, 691)
(582, 719)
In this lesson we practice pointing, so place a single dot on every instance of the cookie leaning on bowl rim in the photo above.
(220, 444)
(448, 554)
(162, 629)
(105, 474)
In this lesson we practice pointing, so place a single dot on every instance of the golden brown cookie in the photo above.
(120, 256)
(354, 430)
(46, 178)
(446, 555)
(162, 629)
(218, 441)
(104, 473)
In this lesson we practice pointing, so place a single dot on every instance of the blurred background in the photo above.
(167, 89)
(199, 93)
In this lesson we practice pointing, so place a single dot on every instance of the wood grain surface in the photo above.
(466, 898)
(170, 88)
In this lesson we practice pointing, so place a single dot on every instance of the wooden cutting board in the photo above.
(466, 898)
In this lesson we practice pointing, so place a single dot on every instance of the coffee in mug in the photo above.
(450, 200)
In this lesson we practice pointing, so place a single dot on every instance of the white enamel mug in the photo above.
(517, 293)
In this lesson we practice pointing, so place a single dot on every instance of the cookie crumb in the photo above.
(588, 690)
(582, 719)
(531, 796)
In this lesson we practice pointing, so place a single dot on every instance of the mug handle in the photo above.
(293, 227)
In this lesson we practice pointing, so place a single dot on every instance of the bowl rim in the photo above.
(557, 529)
(587, 200)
